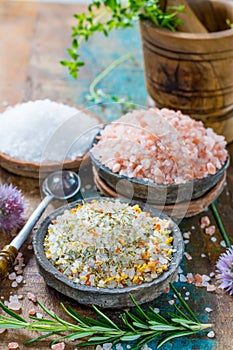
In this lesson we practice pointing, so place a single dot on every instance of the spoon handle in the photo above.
(10, 251)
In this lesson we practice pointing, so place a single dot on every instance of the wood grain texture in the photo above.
(38, 34)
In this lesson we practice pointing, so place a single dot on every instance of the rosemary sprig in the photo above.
(105, 15)
(138, 326)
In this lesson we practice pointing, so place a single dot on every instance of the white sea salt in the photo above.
(44, 131)
(208, 309)
(211, 334)
(223, 244)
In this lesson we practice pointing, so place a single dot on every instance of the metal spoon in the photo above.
(59, 185)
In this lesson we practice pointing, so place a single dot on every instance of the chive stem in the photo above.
(220, 224)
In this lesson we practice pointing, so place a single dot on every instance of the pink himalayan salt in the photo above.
(32, 312)
(2, 330)
(14, 305)
(211, 288)
(58, 346)
(31, 297)
(161, 146)
(13, 345)
(188, 256)
(210, 230)
(205, 221)
(198, 278)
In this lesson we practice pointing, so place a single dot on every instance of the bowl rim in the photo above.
(51, 269)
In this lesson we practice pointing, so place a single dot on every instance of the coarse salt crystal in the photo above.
(187, 234)
(99, 347)
(19, 279)
(183, 278)
(58, 346)
(223, 244)
(31, 297)
(213, 239)
(212, 274)
(13, 345)
(211, 288)
(205, 221)
(14, 305)
(12, 276)
(208, 309)
(198, 278)
(2, 330)
(211, 334)
(171, 302)
(210, 230)
(32, 312)
(188, 256)
(14, 284)
(203, 255)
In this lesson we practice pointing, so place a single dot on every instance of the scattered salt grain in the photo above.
(203, 255)
(70, 129)
(31, 297)
(213, 239)
(128, 346)
(157, 310)
(2, 330)
(223, 244)
(210, 230)
(13, 345)
(186, 298)
(107, 346)
(187, 293)
(19, 279)
(99, 347)
(187, 234)
(212, 274)
(14, 284)
(183, 278)
(198, 278)
(211, 334)
(208, 309)
(171, 302)
(205, 221)
(146, 347)
(14, 305)
(58, 346)
(180, 270)
(193, 227)
(32, 312)
(29, 247)
(12, 276)
(20, 296)
(188, 256)
(186, 241)
(39, 315)
(118, 347)
(211, 288)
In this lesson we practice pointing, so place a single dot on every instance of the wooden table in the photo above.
(33, 38)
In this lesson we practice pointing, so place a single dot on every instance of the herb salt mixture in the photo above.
(109, 244)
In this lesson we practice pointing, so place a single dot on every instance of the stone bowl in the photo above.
(116, 298)
(157, 193)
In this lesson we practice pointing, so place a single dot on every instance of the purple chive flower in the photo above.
(225, 270)
(11, 208)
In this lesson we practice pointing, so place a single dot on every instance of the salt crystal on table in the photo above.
(2, 330)
(210, 230)
(171, 302)
(208, 309)
(14, 305)
(58, 346)
(12, 276)
(118, 347)
(31, 297)
(188, 256)
(99, 347)
(198, 278)
(187, 234)
(213, 239)
(203, 255)
(205, 221)
(212, 274)
(211, 334)
(66, 131)
(13, 345)
(183, 278)
(107, 346)
(39, 315)
(14, 284)
(211, 288)
(32, 312)
(223, 244)
(19, 279)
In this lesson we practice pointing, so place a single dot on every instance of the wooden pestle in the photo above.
(191, 23)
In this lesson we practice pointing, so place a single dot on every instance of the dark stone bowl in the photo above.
(116, 298)
(153, 193)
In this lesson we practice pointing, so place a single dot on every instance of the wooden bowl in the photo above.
(104, 297)
(156, 193)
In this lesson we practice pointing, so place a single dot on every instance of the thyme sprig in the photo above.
(105, 15)
(137, 326)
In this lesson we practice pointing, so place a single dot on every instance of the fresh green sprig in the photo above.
(105, 15)
(137, 326)
(100, 97)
